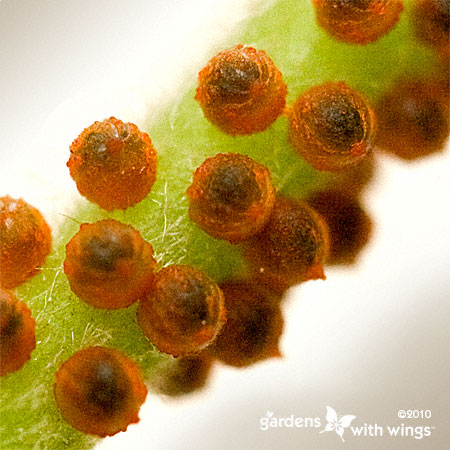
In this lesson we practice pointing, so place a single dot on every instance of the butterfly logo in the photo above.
(338, 425)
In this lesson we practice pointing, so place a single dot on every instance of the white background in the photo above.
(368, 341)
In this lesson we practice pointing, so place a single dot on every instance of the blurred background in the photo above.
(369, 341)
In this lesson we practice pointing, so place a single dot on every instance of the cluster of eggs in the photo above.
(285, 241)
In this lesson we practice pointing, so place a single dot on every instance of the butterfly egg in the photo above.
(292, 247)
(17, 333)
(357, 21)
(241, 91)
(183, 375)
(25, 241)
(253, 328)
(113, 164)
(231, 196)
(108, 264)
(183, 312)
(99, 391)
(331, 126)
(432, 24)
(348, 223)
(413, 119)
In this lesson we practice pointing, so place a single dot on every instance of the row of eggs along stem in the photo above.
(182, 311)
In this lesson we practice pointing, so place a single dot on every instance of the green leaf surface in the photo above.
(184, 138)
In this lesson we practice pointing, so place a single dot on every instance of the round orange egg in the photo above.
(358, 21)
(432, 24)
(292, 247)
(25, 241)
(241, 91)
(349, 225)
(99, 391)
(108, 264)
(113, 164)
(17, 333)
(331, 126)
(183, 312)
(414, 118)
(253, 328)
(231, 196)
